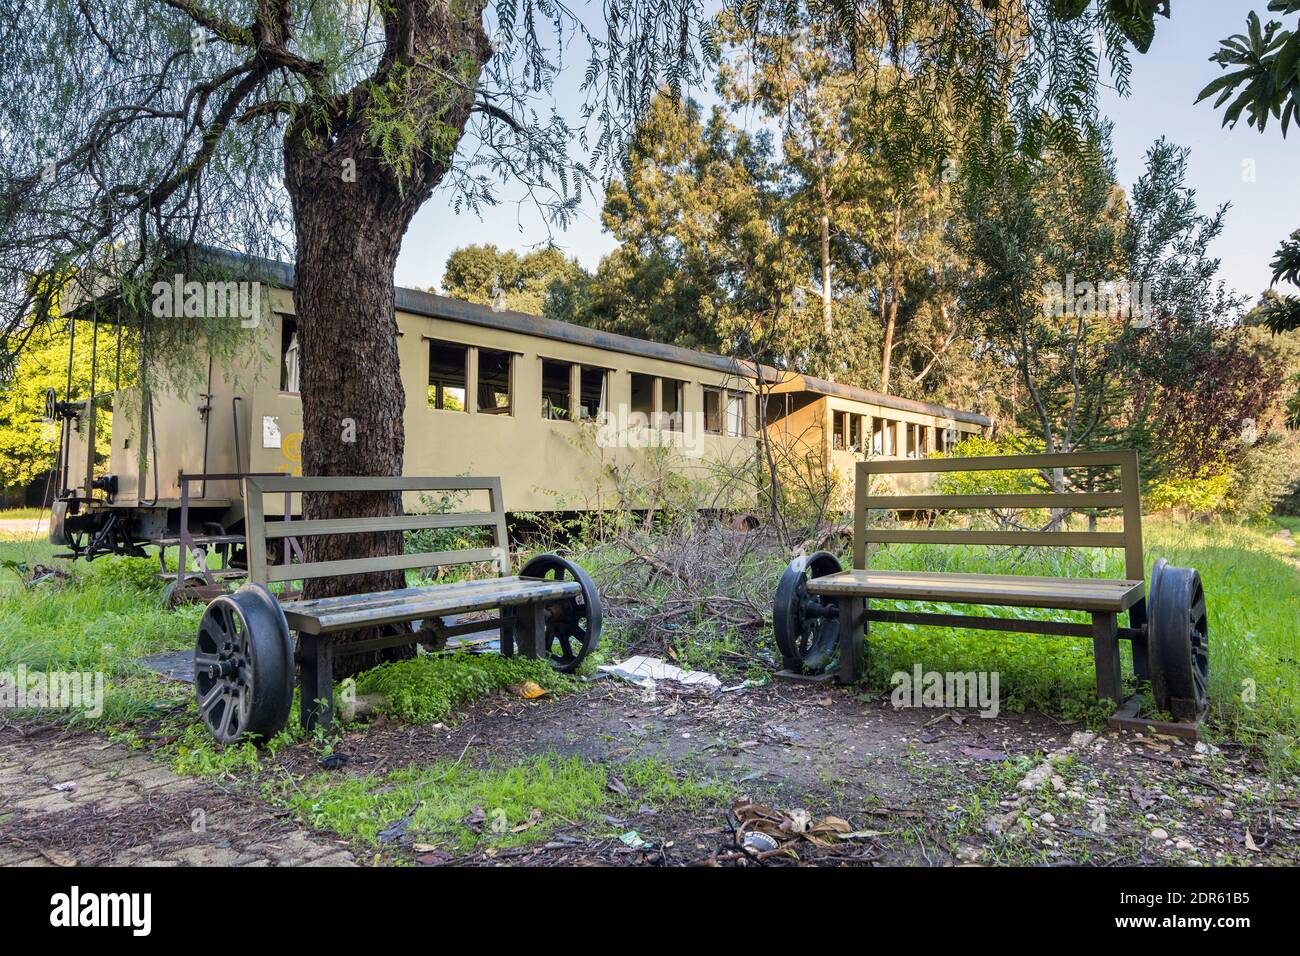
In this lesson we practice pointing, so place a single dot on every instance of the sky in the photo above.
(1258, 174)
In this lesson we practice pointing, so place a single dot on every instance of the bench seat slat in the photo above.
(1073, 594)
(349, 612)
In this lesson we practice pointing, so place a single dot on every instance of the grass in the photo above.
(462, 808)
(108, 614)
(20, 514)
(101, 618)
(429, 689)
(1290, 522)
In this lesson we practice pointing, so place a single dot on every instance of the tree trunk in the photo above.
(351, 211)
(891, 317)
(826, 275)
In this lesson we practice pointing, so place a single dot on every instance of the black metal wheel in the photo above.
(806, 626)
(243, 665)
(1178, 641)
(572, 624)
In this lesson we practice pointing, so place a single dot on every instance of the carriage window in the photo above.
(643, 396)
(673, 395)
(592, 393)
(855, 432)
(494, 370)
(877, 436)
(290, 356)
(713, 411)
(735, 414)
(555, 390)
(837, 429)
(447, 376)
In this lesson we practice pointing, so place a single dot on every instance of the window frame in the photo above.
(508, 410)
(432, 404)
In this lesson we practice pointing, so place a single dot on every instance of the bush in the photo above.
(141, 574)
(1192, 495)
(1262, 477)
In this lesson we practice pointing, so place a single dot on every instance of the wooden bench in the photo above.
(823, 612)
(244, 657)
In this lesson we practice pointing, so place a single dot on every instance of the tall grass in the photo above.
(103, 617)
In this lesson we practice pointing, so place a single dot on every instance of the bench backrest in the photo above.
(1127, 499)
(259, 531)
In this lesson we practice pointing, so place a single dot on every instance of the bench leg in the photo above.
(530, 630)
(507, 643)
(853, 627)
(316, 681)
(1105, 651)
(1137, 619)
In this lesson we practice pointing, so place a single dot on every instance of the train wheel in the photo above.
(243, 665)
(806, 626)
(1178, 641)
(573, 624)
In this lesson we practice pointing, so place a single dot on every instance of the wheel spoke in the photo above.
(211, 698)
(230, 726)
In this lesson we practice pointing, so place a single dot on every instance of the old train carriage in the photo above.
(547, 405)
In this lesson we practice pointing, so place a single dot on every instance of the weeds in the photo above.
(432, 688)
(463, 808)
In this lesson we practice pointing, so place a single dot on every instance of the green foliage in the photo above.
(429, 540)
(1262, 476)
(700, 247)
(428, 689)
(1266, 71)
(1196, 495)
(28, 445)
(508, 805)
(92, 621)
(538, 282)
(990, 482)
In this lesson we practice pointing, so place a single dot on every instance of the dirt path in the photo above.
(938, 787)
(80, 799)
(918, 787)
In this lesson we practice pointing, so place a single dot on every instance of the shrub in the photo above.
(1262, 477)
(1203, 495)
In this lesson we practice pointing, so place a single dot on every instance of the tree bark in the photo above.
(827, 326)
(351, 211)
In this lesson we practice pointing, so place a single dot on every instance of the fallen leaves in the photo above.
(528, 690)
